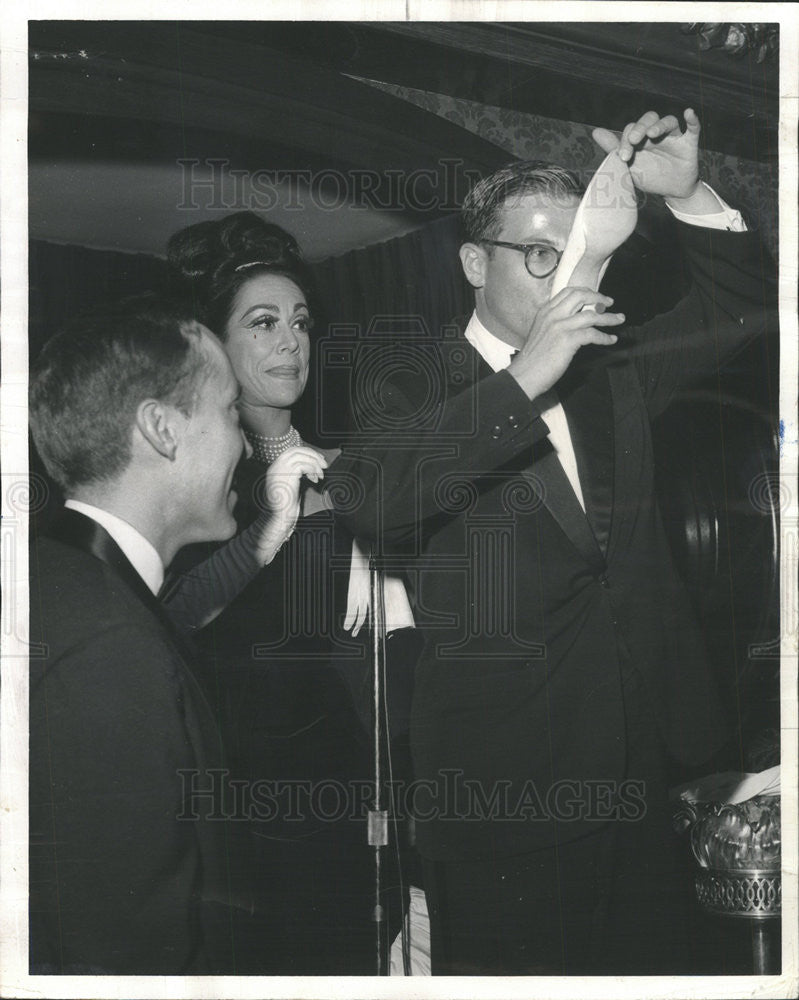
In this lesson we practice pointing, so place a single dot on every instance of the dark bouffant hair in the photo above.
(482, 208)
(210, 261)
(88, 381)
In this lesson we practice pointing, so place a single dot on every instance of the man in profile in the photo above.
(133, 411)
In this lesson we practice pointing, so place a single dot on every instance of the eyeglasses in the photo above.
(539, 259)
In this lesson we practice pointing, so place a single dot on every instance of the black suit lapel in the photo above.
(588, 404)
(585, 396)
(562, 503)
(82, 532)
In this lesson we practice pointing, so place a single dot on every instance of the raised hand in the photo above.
(663, 159)
(562, 326)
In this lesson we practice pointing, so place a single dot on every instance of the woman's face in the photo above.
(267, 341)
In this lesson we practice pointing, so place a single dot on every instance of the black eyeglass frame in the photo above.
(526, 248)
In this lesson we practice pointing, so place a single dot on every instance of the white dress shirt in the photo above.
(726, 217)
(140, 553)
(497, 354)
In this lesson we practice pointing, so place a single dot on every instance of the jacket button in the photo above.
(496, 431)
(604, 580)
(513, 421)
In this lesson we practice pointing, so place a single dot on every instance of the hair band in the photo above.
(254, 263)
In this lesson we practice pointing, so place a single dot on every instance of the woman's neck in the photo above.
(267, 420)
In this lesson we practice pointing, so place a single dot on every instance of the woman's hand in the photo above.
(282, 495)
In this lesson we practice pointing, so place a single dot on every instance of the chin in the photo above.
(284, 400)
(282, 394)
(225, 527)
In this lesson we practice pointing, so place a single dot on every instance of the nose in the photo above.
(247, 445)
(288, 339)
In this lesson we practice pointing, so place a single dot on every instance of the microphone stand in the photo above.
(378, 816)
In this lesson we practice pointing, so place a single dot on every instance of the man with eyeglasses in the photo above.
(562, 671)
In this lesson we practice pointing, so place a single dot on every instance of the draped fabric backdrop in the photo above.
(752, 186)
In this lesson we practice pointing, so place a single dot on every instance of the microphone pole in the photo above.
(378, 816)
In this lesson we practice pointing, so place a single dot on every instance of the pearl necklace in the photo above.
(266, 449)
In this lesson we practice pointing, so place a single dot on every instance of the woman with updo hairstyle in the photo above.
(281, 672)
(239, 273)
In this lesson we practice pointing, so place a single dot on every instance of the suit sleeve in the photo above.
(387, 482)
(115, 873)
(732, 300)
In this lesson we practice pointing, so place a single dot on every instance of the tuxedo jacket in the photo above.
(532, 609)
(127, 872)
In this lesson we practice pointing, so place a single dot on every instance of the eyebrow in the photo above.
(540, 241)
(272, 308)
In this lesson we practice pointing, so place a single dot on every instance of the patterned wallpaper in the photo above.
(749, 186)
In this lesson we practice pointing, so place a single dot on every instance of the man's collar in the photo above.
(495, 352)
(140, 553)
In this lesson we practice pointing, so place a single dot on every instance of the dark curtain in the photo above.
(65, 280)
(416, 275)
(408, 287)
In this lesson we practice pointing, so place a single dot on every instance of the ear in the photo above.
(158, 425)
(473, 260)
